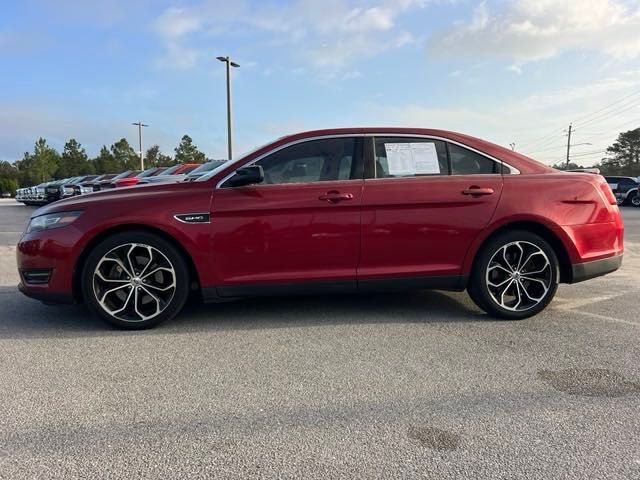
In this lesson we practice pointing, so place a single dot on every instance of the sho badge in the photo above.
(192, 217)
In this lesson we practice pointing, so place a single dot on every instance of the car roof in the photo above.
(523, 163)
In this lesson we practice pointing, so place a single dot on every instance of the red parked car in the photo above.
(131, 181)
(172, 174)
(331, 211)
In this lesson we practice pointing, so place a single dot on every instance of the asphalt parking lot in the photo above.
(414, 385)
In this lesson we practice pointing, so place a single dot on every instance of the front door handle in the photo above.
(476, 191)
(333, 196)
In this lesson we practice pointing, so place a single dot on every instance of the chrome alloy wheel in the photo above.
(134, 282)
(519, 276)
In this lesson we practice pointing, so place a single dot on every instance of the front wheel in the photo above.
(135, 280)
(515, 275)
(635, 200)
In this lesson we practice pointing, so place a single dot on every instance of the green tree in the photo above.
(564, 166)
(8, 170)
(155, 158)
(74, 161)
(187, 152)
(623, 157)
(105, 162)
(125, 156)
(39, 166)
(8, 185)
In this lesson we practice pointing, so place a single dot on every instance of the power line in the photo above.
(587, 154)
(581, 119)
(616, 111)
(541, 140)
(555, 147)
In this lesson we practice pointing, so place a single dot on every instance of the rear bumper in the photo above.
(596, 268)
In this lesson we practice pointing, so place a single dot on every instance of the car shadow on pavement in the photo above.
(24, 317)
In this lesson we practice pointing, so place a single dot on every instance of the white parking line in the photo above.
(602, 317)
(574, 305)
(582, 302)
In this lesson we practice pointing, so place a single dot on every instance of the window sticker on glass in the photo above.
(412, 158)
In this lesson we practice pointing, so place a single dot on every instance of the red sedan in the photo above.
(342, 210)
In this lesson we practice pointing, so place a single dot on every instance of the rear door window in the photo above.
(468, 162)
(401, 157)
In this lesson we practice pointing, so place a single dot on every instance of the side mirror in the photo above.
(247, 176)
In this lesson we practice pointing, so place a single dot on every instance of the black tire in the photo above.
(635, 200)
(478, 287)
(168, 255)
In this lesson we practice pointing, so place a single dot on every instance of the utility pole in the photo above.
(140, 125)
(569, 143)
(229, 64)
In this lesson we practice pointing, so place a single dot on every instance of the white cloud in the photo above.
(515, 69)
(176, 22)
(532, 30)
(179, 57)
(527, 120)
(404, 38)
(351, 75)
(374, 18)
(326, 34)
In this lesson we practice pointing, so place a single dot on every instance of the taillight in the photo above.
(608, 193)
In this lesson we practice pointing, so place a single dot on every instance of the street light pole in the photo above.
(229, 64)
(140, 125)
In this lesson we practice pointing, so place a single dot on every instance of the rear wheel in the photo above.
(515, 275)
(635, 200)
(135, 280)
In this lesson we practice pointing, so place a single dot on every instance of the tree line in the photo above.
(45, 163)
(622, 158)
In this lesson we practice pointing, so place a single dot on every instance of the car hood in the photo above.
(104, 198)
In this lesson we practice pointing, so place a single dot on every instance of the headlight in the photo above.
(51, 220)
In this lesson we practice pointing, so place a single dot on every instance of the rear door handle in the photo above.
(477, 191)
(335, 196)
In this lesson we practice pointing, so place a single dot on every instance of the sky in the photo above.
(507, 71)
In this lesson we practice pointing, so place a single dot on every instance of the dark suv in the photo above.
(625, 189)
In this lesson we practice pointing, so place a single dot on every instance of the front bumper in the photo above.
(45, 295)
(596, 268)
(54, 250)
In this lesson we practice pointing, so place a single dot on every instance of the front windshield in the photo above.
(170, 171)
(207, 167)
(146, 173)
(213, 172)
(122, 175)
